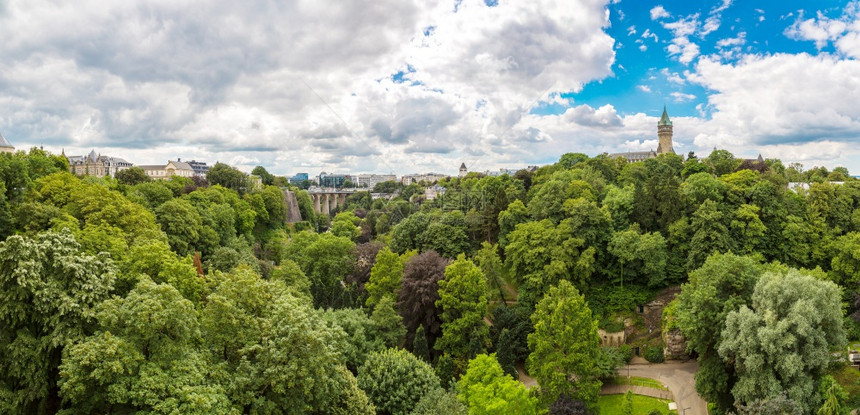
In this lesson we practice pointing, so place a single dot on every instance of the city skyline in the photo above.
(351, 87)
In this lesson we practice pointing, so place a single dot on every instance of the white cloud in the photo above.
(792, 106)
(658, 12)
(631, 31)
(672, 76)
(843, 31)
(723, 6)
(682, 97)
(301, 83)
(643, 48)
(643, 88)
(734, 41)
(649, 34)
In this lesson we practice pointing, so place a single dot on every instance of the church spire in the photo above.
(664, 119)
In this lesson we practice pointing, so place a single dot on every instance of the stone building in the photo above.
(5, 146)
(664, 136)
(96, 164)
(172, 168)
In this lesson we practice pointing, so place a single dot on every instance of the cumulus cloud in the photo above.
(658, 12)
(299, 83)
(783, 103)
(643, 88)
(682, 97)
(843, 32)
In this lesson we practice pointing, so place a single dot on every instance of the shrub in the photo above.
(654, 354)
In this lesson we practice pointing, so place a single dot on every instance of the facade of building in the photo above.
(371, 180)
(172, 168)
(664, 136)
(332, 180)
(432, 192)
(298, 179)
(426, 178)
(200, 168)
(96, 165)
(5, 146)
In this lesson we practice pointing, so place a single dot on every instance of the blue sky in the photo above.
(760, 24)
(403, 86)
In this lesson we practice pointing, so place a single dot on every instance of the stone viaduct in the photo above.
(326, 199)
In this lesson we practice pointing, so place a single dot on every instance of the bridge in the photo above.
(325, 197)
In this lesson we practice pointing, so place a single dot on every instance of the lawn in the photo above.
(849, 378)
(613, 404)
(637, 381)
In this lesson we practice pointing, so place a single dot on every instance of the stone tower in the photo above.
(664, 133)
(463, 170)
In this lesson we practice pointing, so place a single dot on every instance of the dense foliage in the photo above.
(127, 294)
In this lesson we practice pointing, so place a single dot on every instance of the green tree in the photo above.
(181, 222)
(491, 265)
(266, 177)
(540, 254)
(709, 234)
(229, 177)
(145, 357)
(845, 265)
(722, 162)
(463, 300)
(783, 341)
(344, 225)
(722, 285)
(515, 214)
(49, 291)
(388, 323)
(273, 350)
(385, 276)
(150, 194)
(619, 201)
(325, 259)
(564, 346)
(362, 335)
(487, 390)
(132, 176)
(439, 402)
(395, 381)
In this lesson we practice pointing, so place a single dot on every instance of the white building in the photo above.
(426, 178)
(172, 168)
(371, 180)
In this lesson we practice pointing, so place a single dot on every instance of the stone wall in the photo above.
(675, 345)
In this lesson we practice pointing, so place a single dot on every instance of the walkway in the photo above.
(679, 377)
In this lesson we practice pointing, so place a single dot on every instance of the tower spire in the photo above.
(664, 133)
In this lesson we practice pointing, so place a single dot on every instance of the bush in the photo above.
(654, 354)
(611, 324)
(605, 300)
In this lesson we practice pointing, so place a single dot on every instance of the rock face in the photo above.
(293, 214)
(676, 345)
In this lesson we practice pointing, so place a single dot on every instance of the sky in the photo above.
(403, 86)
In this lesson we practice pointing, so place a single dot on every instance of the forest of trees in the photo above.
(120, 295)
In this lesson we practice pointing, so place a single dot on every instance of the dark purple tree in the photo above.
(419, 290)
